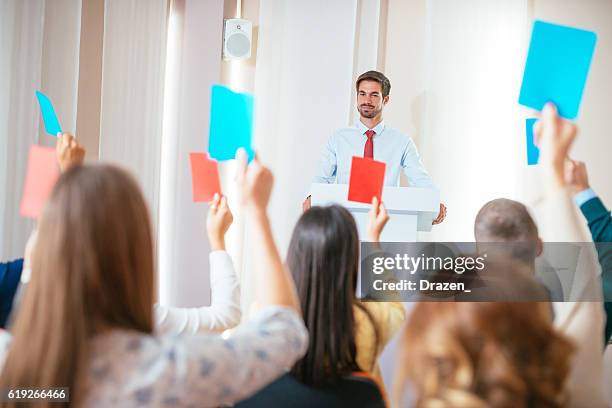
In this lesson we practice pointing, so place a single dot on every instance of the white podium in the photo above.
(411, 209)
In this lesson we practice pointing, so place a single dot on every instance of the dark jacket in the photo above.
(10, 274)
(600, 224)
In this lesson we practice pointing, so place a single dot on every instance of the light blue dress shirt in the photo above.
(397, 150)
(584, 196)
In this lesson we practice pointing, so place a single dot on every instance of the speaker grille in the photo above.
(238, 45)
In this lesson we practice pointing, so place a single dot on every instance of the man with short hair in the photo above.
(508, 221)
(370, 137)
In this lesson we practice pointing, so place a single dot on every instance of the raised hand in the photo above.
(69, 152)
(306, 204)
(554, 136)
(378, 218)
(255, 182)
(577, 176)
(441, 215)
(218, 222)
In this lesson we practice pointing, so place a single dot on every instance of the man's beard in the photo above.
(371, 113)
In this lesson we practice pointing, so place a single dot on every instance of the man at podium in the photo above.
(370, 137)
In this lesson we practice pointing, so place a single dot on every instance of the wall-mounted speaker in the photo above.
(237, 39)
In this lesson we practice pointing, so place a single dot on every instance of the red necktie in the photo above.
(368, 150)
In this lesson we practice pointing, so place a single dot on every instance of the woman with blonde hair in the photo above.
(87, 321)
(482, 354)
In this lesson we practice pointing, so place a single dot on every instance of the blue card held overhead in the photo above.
(52, 125)
(231, 123)
(557, 67)
(533, 152)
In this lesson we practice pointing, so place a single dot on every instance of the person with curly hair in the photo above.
(483, 354)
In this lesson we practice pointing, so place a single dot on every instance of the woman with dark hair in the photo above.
(346, 335)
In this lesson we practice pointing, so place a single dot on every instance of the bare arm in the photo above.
(274, 284)
(581, 321)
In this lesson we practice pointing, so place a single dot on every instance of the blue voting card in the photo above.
(557, 67)
(533, 152)
(52, 125)
(231, 123)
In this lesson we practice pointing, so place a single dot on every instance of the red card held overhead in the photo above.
(366, 181)
(41, 175)
(204, 177)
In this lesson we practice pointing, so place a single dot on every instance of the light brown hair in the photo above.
(92, 270)
(507, 221)
(481, 354)
(504, 220)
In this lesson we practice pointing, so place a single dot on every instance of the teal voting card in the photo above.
(533, 152)
(231, 123)
(557, 67)
(52, 125)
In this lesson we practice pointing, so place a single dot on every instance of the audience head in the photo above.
(483, 354)
(323, 258)
(508, 221)
(92, 270)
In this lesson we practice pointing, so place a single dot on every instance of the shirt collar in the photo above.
(363, 128)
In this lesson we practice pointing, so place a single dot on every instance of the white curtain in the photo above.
(193, 65)
(132, 90)
(60, 62)
(21, 33)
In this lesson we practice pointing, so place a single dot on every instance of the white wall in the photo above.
(369, 35)
(473, 139)
(303, 87)
(404, 65)
(594, 142)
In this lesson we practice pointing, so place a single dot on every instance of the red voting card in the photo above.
(41, 175)
(204, 177)
(366, 181)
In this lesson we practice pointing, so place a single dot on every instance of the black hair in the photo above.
(323, 258)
